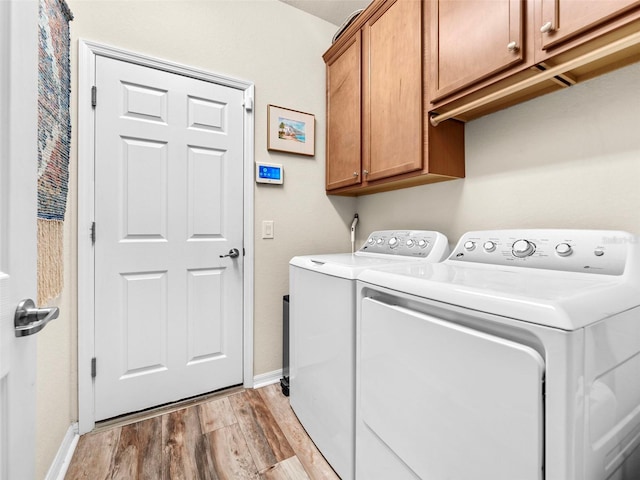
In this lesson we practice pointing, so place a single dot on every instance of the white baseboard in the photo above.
(268, 378)
(60, 464)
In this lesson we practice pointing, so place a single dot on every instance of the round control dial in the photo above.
(422, 243)
(522, 248)
(489, 246)
(469, 245)
(393, 242)
(380, 241)
(371, 241)
(564, 249)
(410, 243)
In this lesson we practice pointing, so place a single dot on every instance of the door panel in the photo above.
(393, 90)
(344, 116)
(569, 18)
(18, 233)
(168, 206)
(470, 41)
(464, 395)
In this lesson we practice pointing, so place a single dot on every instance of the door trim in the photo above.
(87, 53)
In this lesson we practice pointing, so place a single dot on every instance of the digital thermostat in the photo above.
(269, 173)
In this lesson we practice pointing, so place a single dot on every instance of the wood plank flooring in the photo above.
(247, 435)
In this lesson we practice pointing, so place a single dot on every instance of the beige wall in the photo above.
(570, 159)
(277, 47)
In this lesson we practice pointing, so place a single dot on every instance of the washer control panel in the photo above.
(588, 251)
(411, 243)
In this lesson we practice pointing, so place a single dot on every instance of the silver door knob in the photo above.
(546, 28)
(233, 253)
(29, 319)
(512, 47)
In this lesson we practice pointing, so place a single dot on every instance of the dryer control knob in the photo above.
(380, 241)
(522, 248)
(469, 245)
(489, 246)
(371, 241)
(564, 249)
(422, 243)
(393, 242)
(410, 243)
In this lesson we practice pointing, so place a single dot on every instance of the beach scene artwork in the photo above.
(293, 130)
(290, 131)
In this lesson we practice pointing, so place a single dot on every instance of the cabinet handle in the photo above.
(355, 174)
(366, 172)
(513, 47)
(546, 28)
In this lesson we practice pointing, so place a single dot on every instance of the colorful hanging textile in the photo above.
(54, 139)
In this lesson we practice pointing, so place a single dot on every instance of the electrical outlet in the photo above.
(267, 229)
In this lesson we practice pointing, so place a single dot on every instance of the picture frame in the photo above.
(290, 131)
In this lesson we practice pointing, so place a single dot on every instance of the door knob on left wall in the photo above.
(29, 319)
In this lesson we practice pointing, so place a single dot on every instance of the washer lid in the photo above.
(565, 300)
(346, 265)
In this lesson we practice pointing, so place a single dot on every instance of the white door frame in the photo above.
(87, 53)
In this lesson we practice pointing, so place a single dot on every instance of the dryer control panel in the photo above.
(410, 243)
(586, 251)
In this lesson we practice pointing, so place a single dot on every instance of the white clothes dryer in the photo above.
(517, 358)
(322, 316)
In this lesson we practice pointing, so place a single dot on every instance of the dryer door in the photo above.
(440, 401)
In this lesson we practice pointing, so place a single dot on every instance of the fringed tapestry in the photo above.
(54, 138)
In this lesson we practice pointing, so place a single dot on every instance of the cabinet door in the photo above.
(393, 90)
(562, 20)
(344, 116)
(471, 40)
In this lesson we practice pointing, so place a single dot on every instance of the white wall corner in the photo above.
(61, 461)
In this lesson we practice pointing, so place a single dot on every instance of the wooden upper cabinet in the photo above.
(344, 116)
(485, 55)
(378, 137)
(472, 40)
(392, 104)
(561, 21)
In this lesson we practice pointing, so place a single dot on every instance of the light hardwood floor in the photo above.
(251, 434)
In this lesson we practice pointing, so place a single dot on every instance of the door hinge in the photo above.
(93, 367)
(93, 233)
(94, 96)
(248, 102)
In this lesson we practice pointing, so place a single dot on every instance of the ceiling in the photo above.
(333, 11)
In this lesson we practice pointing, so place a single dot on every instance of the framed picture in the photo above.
(290, 131)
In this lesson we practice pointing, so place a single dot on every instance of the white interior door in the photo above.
(168, 208)
(18, 162)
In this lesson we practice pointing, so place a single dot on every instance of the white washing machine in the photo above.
(517, 358)
(322, 316)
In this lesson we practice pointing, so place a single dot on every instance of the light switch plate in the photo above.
(267, 229)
